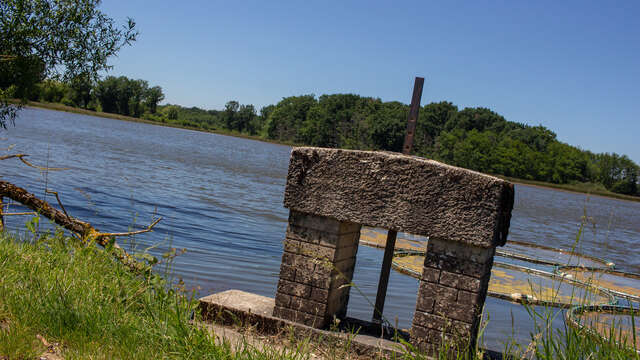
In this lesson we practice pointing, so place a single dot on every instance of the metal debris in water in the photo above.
(524, 285)
(622, 284)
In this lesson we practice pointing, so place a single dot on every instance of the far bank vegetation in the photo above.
(475, 138)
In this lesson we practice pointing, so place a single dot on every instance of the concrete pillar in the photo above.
(319, 257)
(452, 291)
(464, 213)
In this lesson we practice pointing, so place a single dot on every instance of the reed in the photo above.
(83, 304)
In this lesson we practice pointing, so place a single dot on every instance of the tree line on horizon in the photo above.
(474, 138)
(116, 95)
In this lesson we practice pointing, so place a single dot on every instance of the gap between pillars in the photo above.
(392, 234)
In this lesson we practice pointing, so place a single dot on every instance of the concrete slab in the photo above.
(242, 301)
(240, 308)
(235, 307)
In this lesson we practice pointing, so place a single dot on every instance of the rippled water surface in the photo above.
(221, 198)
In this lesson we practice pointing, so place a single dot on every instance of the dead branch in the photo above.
(18, 213)
(22, 158)
(59, 202)
(4, 157)
(149, 228)
(83, 229)
(62, 207)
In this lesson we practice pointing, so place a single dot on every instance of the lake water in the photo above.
(221, 197)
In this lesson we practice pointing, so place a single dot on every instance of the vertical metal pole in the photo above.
(392, 234)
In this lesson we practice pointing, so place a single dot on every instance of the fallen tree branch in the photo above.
(149, 228)
(59, 202)
(22, 158)
(83, 229)
(5, 157)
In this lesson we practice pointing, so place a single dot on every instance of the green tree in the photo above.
(152, 97)
(259, 121)
(230, 110)
(80, 90)
(137, 89)
(172, 113)
(125, 96)
(285, 120)
(19, 77)
(106, 92)
(476, 118)
(245, 119)
(52, 91)
(388, 126)
(432, 119)
(53, 38)
(316, 129)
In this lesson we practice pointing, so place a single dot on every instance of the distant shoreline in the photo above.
(569, 188)
(574, 188)
(71, 109)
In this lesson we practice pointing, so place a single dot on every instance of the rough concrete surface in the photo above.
(400, 192)
(242, 301)
(233, 307)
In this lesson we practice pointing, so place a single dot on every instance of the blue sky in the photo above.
(572, 66)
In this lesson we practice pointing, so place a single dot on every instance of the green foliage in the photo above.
(81, 91)
(285, 120)
(52, 91)
(129, 97)
(475, 138)
(20, 75)
(54, 38)
(152, 97)
(388, 125)
(172, 113)
(78, 296)
(618, 173)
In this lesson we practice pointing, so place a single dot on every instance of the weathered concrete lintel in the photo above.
(400, 192)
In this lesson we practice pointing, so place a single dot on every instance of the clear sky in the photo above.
(572, 66)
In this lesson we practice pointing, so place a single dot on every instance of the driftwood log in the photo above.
(82, 229)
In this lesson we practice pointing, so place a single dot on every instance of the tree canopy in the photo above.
(60, 39)
(475, 138)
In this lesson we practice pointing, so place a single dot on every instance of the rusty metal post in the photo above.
(413, 116)
(392, 234)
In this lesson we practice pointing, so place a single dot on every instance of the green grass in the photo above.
(79, 297)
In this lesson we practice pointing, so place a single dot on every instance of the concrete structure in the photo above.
(331, 193)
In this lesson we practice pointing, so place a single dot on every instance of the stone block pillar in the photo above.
(329, 192)
(319, 257)
(452, 291)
